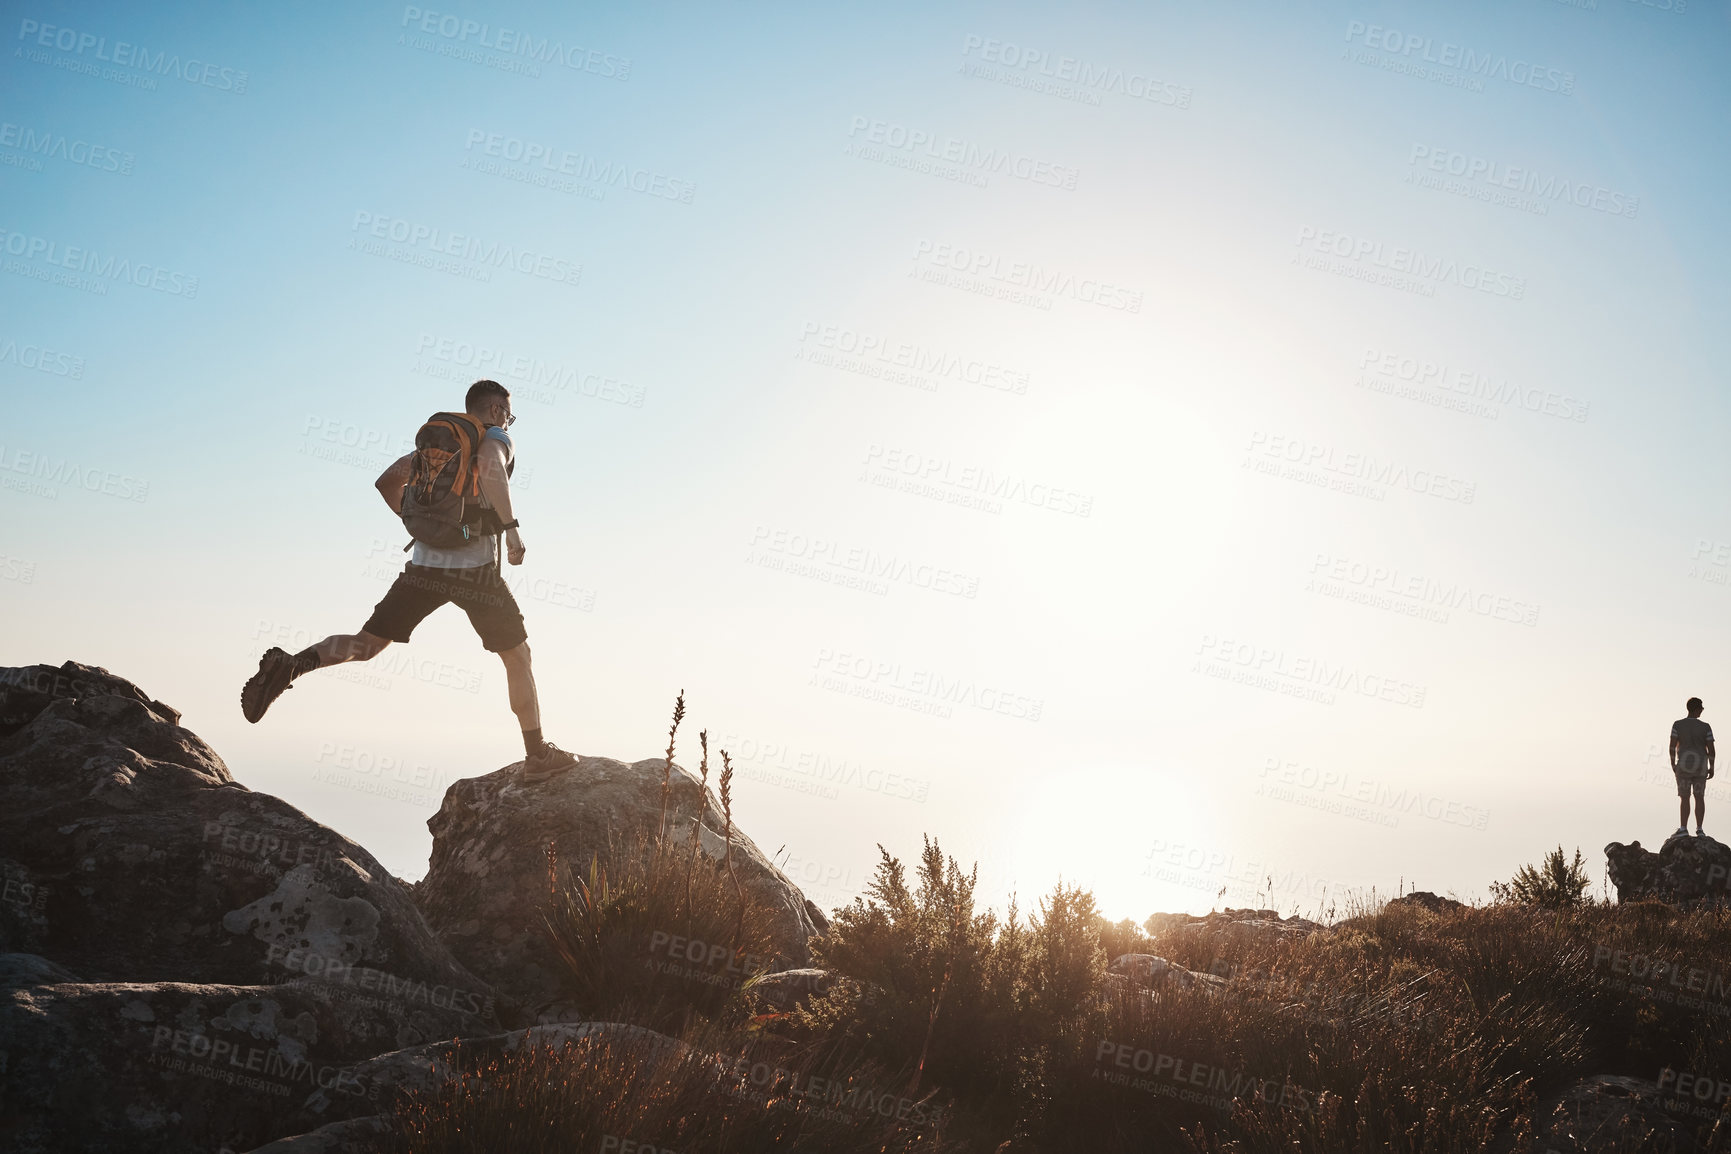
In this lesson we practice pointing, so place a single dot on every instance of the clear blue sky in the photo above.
(1174, 446)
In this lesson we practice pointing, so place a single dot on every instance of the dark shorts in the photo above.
(1689, 783)
(480, 592)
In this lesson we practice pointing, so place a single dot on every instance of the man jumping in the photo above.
(466, 575)
(1692, 762)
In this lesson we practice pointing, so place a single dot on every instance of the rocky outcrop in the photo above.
(1614, 1112)
(1150, 971)
(786, 990)
(128, 853)
(486, 884)
(350, 1136)
(229, 970)
(198, 950)
(1425, 900)
(19, 970)
(232, 1065)
(1686, 871)
(331, 1119)
(1233, 925)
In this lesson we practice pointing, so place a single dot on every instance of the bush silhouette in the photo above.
(1555, 883)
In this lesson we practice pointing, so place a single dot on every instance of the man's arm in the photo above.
(1675, 745)
(1709, 757)
(496, 487)
(394, 480)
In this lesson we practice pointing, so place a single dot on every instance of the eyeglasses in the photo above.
(510, 419)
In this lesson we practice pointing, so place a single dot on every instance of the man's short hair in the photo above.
(1692, 704)
(480, 391)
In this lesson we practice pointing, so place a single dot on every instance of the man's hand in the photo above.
(514, 547)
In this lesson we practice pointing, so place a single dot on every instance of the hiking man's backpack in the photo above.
(442, 502)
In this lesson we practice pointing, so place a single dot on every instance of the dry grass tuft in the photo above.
(614, 1091)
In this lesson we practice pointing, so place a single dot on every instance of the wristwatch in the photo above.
(511, 524)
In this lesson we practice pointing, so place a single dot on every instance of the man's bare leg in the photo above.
(520, 686)
(339, 648)
(277, 669)
(542, 759)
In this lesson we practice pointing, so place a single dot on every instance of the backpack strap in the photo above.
(486, 522)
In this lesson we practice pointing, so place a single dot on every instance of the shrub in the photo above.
(613, 925)
(919, 969)
(964, 1000)
(1555, 883)
(1068, 962)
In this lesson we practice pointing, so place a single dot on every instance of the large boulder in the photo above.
(128, 853)
(1149, 971)
(1616, 1112)
(1427, 901)
(1247, 923)
(1233, 925)
(486, 885)
(204, 954)
(331, 1115)
(784, 991)
(1687, 871)
(186, 1066)
(350, 1136)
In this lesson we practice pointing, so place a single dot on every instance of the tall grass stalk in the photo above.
(727, 829)
(667, 768)
(696, 842)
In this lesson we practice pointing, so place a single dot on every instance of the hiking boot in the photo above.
(547, 761)
(276, 669)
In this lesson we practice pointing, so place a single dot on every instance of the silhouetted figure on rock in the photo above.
(1692, 762)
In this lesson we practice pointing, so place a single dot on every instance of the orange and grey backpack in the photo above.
(442, 502)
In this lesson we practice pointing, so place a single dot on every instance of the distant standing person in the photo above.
(454, 495)
(1692, 762)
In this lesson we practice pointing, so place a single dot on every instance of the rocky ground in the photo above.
(1686, 871)
(228, 970)
(189, 964)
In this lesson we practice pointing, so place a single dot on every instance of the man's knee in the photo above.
(517, 656)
